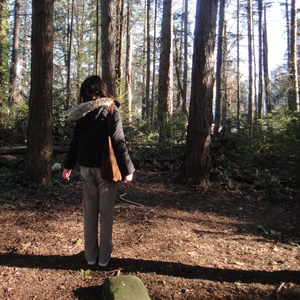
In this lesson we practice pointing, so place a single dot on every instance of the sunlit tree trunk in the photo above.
(185, 59)
(219, 94)
(15, 55)
(148, 62)
(293, 98)
(108, 45)
(238, 76)
(288, 28)
(144, 70)
(1, 55)
(128, 62)
(153, 63)
(178, 66)
(266, 65)
(97, 37)
(165, 85)
(40, 120)
(197, 155)
(224, 85)
(260, 60)
(119, 44)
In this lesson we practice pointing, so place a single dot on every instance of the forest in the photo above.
(212, 122)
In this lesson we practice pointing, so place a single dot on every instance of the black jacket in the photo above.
(90, 134)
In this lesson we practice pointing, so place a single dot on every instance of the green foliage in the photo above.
(271, 154)
(4, 50)
(13, 127)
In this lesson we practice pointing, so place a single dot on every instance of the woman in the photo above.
(86, 149)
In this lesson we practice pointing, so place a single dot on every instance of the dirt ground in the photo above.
(224, 243)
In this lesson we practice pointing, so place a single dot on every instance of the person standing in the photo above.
(86, 147)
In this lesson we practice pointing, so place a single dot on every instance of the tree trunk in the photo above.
(165, 84)
(128, 62)
(108, 49)
(39, 136)
(185, 59)
(250, 66)
(219, 94)
(119, 43)
(266, 65)
(293, 98)
(148, 62)
(154, 63)
(260, 60)
(69, 37)
(224, 99)
(197, 154)
(97, 37)
(14, 56)
(144, 70)
(238, 75)
(1, 56)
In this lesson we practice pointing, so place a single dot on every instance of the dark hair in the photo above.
(92, 88)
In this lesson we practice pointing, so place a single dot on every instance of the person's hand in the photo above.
(128, 178)
(66, 174)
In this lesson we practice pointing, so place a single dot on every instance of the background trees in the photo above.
(146, 60)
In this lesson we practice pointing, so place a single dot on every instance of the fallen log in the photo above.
(10, 150)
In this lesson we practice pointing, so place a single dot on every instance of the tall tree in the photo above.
(293, 97)
(128, 61)
(197, 154)
(97, 37)
(69, 43)
(15, 50)
(39, 135)
(153, 62)
(250, 65)
(108, 45)
(266, 64)
(148, 52)
(238, 73)
(185, 59)
(165, 84)
(120, 42)
(1, 55)
(219, 92)
(260, 60)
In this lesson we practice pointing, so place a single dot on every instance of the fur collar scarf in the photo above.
(84, 108)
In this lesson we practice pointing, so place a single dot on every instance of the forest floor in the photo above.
(222, 243)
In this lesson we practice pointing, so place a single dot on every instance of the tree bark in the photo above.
(108, 45)
(40, 122)
(165, 84)
(15, 50)
(128, 62)
(293, 98)
(238, 75)
(219, 94)
(260, 60)
(69, 39)
(148, 62)
(250, 66)
(266, 65)
(185, 60)
(1, 56)
(197, 154)
(154, 62)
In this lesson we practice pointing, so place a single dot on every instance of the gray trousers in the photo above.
(98, 198)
